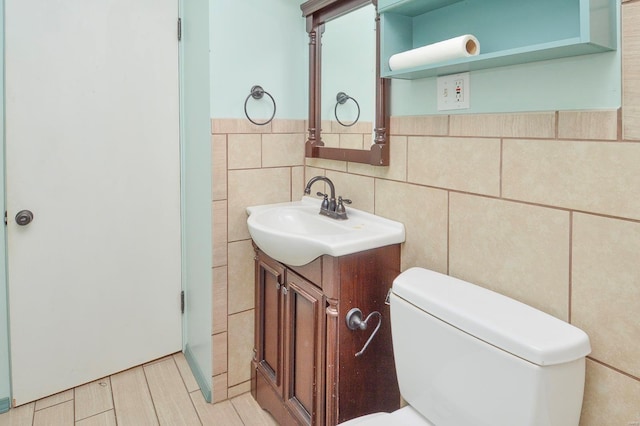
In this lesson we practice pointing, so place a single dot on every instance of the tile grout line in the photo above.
(236, 410)
(448, 232)
(187, 389)
(113, 401)
(153, 403)
(94, 415)
(570, 267)
(74, 405)
(49, 406)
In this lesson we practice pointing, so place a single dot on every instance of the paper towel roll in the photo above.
(453, 48)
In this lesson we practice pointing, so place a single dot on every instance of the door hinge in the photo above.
(179, 29)
(5, 218)
(182, 301)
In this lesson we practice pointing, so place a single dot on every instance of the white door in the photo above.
(92, 143)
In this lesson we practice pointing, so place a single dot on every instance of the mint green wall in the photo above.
(580, 82)
(258, 42)
(5, 389)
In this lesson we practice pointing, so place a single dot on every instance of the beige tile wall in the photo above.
(543, 207)
(251, 165)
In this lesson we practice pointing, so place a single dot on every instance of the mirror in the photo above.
(345, 83)
(348, 68)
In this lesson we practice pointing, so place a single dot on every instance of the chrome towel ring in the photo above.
(341, 99)
(257, 92)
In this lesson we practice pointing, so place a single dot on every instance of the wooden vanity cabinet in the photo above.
(305, 371)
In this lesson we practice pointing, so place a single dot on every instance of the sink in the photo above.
(295, 233)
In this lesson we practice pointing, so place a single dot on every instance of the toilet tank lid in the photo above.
(496, 319)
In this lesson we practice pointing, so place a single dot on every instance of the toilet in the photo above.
(467, 356)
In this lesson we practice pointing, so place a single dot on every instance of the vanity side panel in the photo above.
(368, 383)
(331, 289)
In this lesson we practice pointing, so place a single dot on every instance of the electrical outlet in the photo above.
(453, 91)
(460, 90)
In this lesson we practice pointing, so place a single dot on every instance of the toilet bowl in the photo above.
(468, 356)
(403, 417)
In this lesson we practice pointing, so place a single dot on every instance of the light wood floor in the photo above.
(163, 392)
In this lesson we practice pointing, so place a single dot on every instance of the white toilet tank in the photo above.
(468, 356)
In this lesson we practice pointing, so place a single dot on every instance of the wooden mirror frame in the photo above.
(317, 13)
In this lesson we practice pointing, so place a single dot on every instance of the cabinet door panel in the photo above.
(272, 330)
(303, 340)
(305, 328)
(270, 314)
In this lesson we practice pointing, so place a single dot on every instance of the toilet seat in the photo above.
(404, 416)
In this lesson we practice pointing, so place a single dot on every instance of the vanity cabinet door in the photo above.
(269, 320)
(304, 350)
(304, 368)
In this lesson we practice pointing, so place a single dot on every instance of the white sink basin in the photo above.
(295, 233)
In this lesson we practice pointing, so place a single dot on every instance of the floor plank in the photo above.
(250, 411)
(185, 371)
(93, 398)
(108, 418)
(221, 413)
(170, 396)
(54, 399)
(19, 416)
(162, 392)
(132, 399)
(56, 415)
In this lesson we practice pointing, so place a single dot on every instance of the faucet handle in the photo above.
(343, 200)
(325, 201)
(340, 210)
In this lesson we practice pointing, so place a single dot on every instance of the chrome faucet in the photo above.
(329, 207)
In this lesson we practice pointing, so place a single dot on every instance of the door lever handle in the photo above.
(24, 217)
